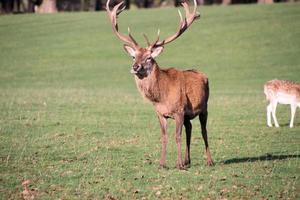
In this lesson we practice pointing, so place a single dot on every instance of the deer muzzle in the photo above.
(136, 68)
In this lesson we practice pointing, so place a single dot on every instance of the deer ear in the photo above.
(129, 50)
(156, 51)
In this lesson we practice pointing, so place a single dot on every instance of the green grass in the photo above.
(73, 122)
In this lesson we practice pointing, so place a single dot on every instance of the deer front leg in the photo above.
(269, 111)
(293, 111)
(274, 106)
(179, 123)
(164, 140)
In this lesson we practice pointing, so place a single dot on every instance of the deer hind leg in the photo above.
(269, 112)
(274, 106)
(179, 118)
(188, 131)
(203, 121)
(164, 140)
(293, 111)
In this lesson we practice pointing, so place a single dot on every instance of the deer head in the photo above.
(143, 58)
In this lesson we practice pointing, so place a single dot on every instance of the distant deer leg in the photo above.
(179, 123)
(164, 140)
(203, 121)
(274, 106)
(269, 111)
(188, 131)
(293, 111)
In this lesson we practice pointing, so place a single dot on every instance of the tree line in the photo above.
(50, 6)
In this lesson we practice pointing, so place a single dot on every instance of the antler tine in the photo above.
(113, 14)
(147, 40)
(158, 32)
(195, 8)
(156, 41)
(190, 16)
(150, 46)
(130, 36)
(183, 23)
(121, 10)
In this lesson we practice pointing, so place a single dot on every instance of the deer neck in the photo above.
(149, 86)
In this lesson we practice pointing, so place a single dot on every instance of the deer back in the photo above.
(282, 89)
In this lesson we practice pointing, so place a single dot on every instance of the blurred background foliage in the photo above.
(52, 6)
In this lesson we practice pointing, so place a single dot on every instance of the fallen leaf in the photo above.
(27, 193)
(109, 197)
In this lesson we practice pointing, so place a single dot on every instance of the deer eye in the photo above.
(148, 59)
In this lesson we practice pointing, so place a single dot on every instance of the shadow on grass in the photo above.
(288, 124)
(259, 158)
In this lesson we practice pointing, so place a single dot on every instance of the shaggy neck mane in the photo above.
(149, 86)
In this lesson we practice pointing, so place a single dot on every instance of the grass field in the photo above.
(73, 122)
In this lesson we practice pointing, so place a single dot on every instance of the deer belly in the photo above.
(284, 98)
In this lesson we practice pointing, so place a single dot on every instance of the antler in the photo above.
(183, 24)
(113, 15)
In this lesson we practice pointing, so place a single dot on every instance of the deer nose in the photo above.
(136, 67)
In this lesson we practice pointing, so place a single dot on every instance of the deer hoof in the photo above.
(181, 167)
(163, 167)
(187, 164)
(210, 163)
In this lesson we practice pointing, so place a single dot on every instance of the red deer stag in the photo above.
(180, 95)
(283, 92)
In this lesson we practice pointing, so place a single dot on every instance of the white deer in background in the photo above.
(283, 92)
